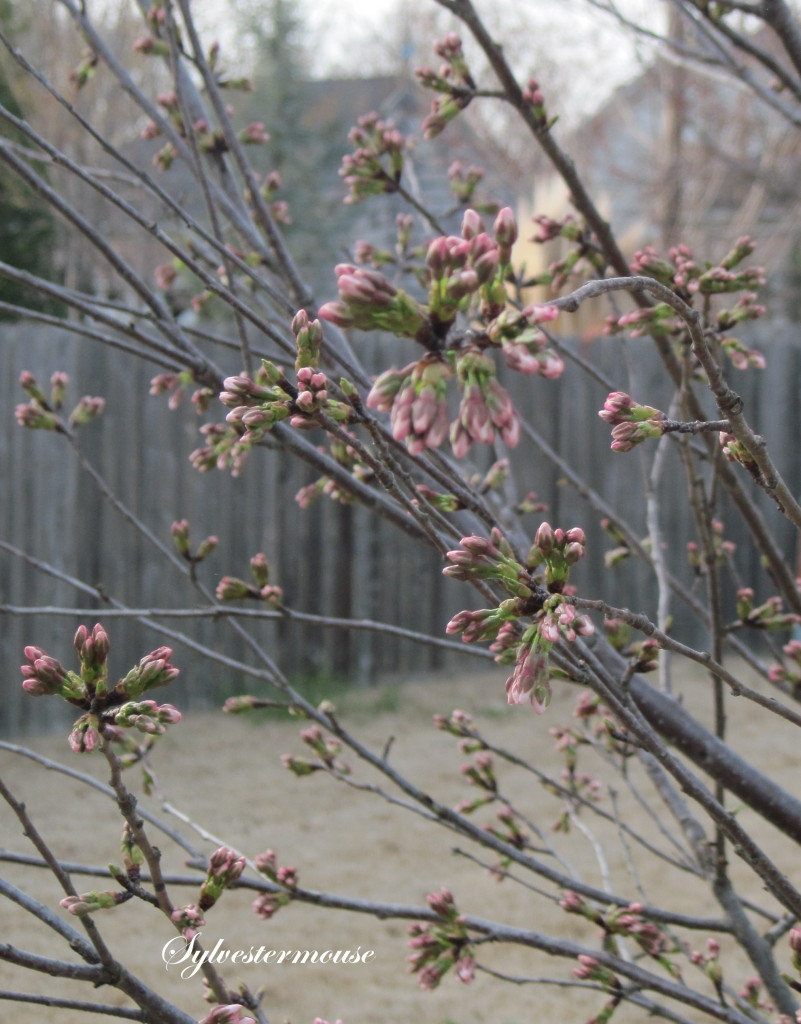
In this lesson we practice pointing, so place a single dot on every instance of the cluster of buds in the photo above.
(256, 405)
(180, 538)
(368, 301)
(224, 449)
(84, 71)
(482, 558)
(523, 343)
(678, 271)
(154, 670)
(746, 308)
(460, 724)
(415, 397)
(85, 734)
(551, 619)
(228, 1013)
(89, 902)
(312, 395)
(789, 675)
(713, 969)
(626, 921)
(230, 588)
(165, 276)
(583, 255)
(618, 633)
(224, 79)
(658, 321)
(558, 550)
(376, 164)
(567, 742)
(485, 407)
(590, 969)
(561, 621)
(643, 655)
(684, 275)
(579, 785)
(629, 921)
(325, 747)
(366, 252)
(348, 457)
(132, 855)
(88, 688)
(253, 134)
(460, 267)
(717, 280)
(588, 706)
(453, 81)
(550, 228)
(735, 451)
(531, 678)
(440, 946)
(44, 676)
(532, 95)
(754, 995)
(267, 904)
(279, 208)
(165, 157)
(188, 920)
(508, 830)
(327, 750)
(148, 46)
(464, 181)
(484, 623)
(225, 867)
(631, 423)
(308, 339)
(175, 385)
(437, 499)
(86, 410)
(40, 413)
(768, 615)
(480, 772)
(740, 355)
(147, 716)
(722, 550)
(682, 272)
(286, 876)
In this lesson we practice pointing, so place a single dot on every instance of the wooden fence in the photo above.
(330, 559)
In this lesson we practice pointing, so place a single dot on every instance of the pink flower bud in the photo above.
(505, 228)
(472, 224)
(544, 538)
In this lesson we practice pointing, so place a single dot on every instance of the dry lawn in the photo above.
(226, 774)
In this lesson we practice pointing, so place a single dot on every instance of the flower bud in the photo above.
(505, 229)
(472, 224)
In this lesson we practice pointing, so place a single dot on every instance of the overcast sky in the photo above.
(572, 48)
(355, 37)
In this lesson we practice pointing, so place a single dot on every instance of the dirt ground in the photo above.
(225, 773)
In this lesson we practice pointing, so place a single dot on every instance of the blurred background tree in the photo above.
(27, 226)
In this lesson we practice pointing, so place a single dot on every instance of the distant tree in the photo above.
(303, 151)
(27, 226)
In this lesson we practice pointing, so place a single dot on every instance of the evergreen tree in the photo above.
(306, 145)
(27, 227)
